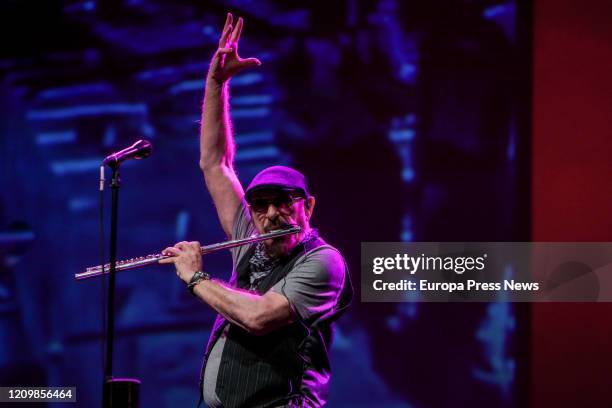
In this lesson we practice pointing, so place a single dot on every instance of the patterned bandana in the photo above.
(261, 264)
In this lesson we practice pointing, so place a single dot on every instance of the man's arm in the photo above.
(310, 290)
(257, 314)
(217, 147)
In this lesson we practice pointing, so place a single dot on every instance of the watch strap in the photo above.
(195, 279)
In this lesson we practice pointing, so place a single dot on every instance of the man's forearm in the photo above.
(216, 140)
(257, 314)
(239, 307)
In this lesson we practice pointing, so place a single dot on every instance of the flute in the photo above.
(139, 262)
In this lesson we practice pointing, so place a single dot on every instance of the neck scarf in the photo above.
(261, 264)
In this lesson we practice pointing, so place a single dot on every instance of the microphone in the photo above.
(139, 150)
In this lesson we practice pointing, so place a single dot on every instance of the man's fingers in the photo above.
(170, 251)
(250, 62)
(237, 30)
(228, 22)
(227, 29)
(226, 62)
(224, 36)
(182, 245)
(242, 65)
(195, 246)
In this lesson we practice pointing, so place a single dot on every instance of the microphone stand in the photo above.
(115, 392)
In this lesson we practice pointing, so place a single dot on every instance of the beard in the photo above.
(280, 247)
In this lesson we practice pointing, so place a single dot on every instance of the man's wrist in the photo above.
(214, 84)
(197, 278)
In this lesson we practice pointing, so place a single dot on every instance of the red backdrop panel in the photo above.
(572, 191)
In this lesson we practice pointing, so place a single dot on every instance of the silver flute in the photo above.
(155, 258)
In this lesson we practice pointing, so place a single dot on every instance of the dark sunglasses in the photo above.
(283, 202)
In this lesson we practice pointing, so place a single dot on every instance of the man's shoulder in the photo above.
(323, 251)
(324, 262)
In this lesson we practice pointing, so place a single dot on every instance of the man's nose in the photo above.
(273, 212)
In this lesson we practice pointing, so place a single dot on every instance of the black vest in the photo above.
(263, 371)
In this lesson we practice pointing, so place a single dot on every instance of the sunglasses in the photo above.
(283, 202)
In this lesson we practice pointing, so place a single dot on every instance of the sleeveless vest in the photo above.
(267, 370)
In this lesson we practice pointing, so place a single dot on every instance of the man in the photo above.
(269, 344)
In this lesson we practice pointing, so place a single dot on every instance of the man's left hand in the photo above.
(186, 257)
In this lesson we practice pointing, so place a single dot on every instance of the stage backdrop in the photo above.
(407, 117)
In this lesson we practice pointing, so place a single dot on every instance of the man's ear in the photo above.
(309, 207)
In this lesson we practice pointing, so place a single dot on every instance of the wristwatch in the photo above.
(195, 279)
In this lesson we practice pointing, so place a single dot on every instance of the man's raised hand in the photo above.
(226, 62)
